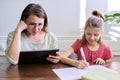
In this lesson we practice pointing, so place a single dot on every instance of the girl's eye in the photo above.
(96, 34)
(88, 34)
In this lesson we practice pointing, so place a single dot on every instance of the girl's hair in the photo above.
(37, 10)
(95, 21)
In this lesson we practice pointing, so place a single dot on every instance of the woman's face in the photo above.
(35, 24)
(93, 35)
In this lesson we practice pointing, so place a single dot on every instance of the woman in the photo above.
(31, 34)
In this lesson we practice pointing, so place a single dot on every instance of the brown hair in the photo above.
(37, 10)
(95, 21)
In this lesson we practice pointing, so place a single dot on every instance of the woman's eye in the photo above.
(40, 24)
(32, 24)
(96, 34)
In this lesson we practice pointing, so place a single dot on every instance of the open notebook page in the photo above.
(72, 73)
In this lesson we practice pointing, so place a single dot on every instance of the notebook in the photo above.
(36, 57)
(93, 72)
(100, 74)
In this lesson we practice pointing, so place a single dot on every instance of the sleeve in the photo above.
(8, 42)
(53, 41)
(76, 45)
(108, 53)
(11, 61)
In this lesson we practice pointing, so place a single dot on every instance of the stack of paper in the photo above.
(94, 72)
(101, 74)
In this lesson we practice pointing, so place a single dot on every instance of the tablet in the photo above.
(35, 57)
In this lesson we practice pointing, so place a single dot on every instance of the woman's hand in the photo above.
(81, 64)
(99, 61)
(21, 26)
(54, 59)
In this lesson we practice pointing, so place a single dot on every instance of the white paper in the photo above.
(72, 73)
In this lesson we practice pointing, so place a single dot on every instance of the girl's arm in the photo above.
(79, 64)
(64, 57)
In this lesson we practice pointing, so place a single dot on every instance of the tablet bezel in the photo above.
(35, 57)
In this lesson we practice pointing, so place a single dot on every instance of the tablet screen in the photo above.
(36, 57)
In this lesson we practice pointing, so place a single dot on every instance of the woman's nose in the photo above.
(36, 27)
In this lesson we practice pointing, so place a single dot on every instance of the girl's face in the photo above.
(93, 35)
(35, 24)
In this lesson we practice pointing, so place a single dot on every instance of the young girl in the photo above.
(95, 51)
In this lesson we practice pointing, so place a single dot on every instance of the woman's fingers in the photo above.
(54, 59)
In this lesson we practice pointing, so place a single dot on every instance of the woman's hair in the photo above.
(95, 21)
(37, 10)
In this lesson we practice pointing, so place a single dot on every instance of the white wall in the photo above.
(101, 5)
(63, 16)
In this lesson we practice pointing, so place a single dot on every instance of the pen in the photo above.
(82, 53)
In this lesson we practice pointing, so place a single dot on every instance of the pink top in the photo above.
(103, 52)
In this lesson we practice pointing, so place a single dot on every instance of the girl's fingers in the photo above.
(99, 61)
(82, 64)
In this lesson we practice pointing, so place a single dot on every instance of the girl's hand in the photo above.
(99, 61)
(82, 64)
(21, 26)
(54, 59)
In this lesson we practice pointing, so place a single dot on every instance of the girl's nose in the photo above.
(92, 37)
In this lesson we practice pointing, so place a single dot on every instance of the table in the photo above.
(38, 71)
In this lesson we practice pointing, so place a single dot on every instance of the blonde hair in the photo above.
(95, 21)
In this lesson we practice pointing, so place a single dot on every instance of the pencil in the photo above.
(82, 53)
